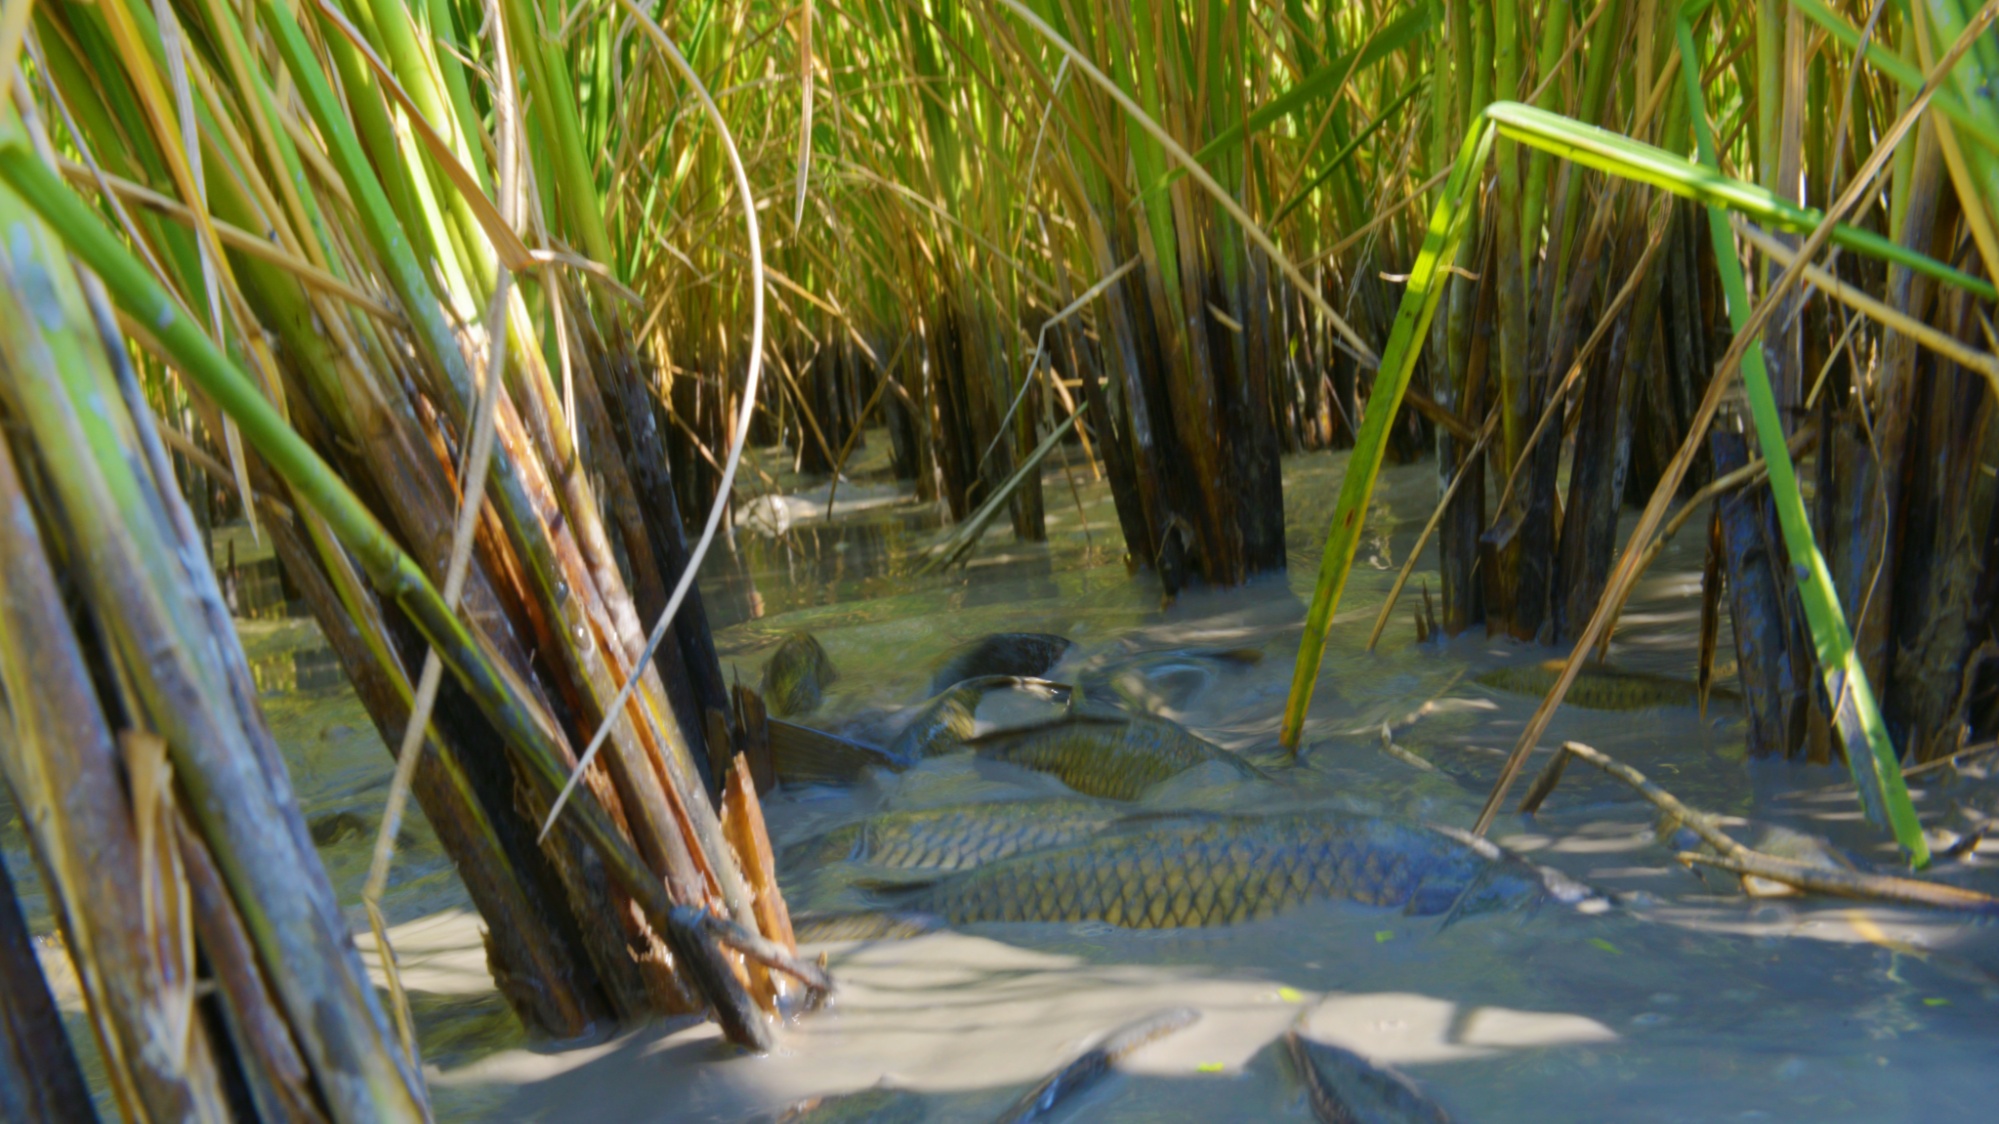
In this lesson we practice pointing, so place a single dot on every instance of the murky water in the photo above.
(1691, 1003)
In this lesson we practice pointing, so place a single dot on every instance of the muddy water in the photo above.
(1690, 1003)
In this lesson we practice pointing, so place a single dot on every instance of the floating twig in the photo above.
(1405, 756)
(1743, 860)
(769, 953)
(1962, 755)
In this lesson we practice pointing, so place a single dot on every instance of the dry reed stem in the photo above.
(1625, 576)
(1735, 857)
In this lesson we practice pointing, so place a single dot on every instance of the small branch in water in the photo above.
(770, 954)
(700, 960)
(1466, 468)
(1848, 883)
(1405, 756)
(1746, 861)
(1961, 756)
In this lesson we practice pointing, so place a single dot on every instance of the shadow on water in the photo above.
(1544, 1018)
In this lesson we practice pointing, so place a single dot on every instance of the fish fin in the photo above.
(877, 879)
(803, 755)
(1329, 1094)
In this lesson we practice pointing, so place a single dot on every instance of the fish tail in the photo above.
(803, 755)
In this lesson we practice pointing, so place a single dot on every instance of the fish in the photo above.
(859, 925)
(1028, 654)
(1346, 1088)
(1113, 757)
(1601, 688)
(803, 755)
(1093, 1064)
(796, 675)
(332, 827)
(1157, 682)
(1197, 870)
(882, 1104)
(960, 836)
(942, 724)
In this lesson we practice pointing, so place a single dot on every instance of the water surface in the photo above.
(1692, 1002)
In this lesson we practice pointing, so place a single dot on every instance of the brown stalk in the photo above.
(40, 1081)
(1626, 574)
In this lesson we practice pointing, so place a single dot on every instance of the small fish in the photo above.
(1601, 688)
(1093, 1064)
(961, 836)
(1003, 653)
(942, 724)
(1200, 870)
(1346, 1088)
(1116, 758)
(332, 827)
(879, 1105)
(796, 675)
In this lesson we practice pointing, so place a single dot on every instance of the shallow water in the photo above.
(1690, 1003)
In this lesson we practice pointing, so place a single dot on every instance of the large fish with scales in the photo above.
(1113, 757)
(960, 836)
(803, 755)
(1197, 870)
(942, 724)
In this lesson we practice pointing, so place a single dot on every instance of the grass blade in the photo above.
(1398, 361)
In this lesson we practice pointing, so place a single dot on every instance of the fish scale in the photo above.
(1113, 758)
(962, 836)
(1600, 688)
(1215, 870)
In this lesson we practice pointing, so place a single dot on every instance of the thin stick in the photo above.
(1466, 468)
(1348, 340)
(1748, 475)
(1828, 283)
(615, 711)
(472, 484)
(1041, 347)
(1744, 860)
(768, 952)
(1596, 337)
(853, 435)
(1965, 754)
(1625, 576)
(1848, 883)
